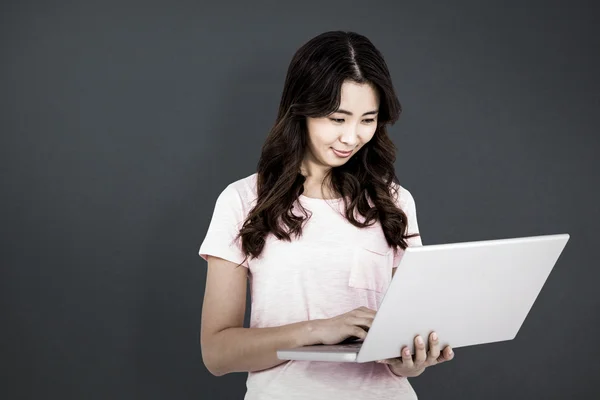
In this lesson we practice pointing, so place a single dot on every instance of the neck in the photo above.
(315, 184)
(313, 170)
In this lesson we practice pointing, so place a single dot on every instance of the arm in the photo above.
(406, 202)
(226, 345)
(409, 207)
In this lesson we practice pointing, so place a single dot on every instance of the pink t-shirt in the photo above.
(333, 268)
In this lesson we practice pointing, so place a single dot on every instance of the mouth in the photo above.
(341, 153)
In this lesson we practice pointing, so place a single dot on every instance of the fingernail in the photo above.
(451, 352)
(419, 340)
(406, 352)
(434, 336)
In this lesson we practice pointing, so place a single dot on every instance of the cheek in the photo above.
(367, 134)
(321, 134)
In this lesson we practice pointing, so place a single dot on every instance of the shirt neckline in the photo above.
(318, 200)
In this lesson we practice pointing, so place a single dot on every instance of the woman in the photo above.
(318, 230)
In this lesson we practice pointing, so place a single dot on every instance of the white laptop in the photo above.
(469, 293)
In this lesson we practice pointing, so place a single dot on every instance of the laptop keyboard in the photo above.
(348, 346)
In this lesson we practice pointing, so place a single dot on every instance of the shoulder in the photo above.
(244, 187)
(240, 194)
(403, 197)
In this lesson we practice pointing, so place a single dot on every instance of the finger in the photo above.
(363, 322)
(357, 331)
(420, 354)
(407, 359)
(446, 355)
(434, 349)
(449, 353)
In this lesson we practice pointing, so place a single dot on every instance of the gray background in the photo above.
(121, 123)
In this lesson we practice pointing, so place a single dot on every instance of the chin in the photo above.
(338, 163)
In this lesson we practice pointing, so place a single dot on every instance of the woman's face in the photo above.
(333, 139)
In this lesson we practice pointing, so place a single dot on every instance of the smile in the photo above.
(342, 154)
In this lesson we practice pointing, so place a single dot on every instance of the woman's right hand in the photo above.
(353, 324)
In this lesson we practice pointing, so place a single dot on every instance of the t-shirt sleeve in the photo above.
(227, 219)
(407, 204)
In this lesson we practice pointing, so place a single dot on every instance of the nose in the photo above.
(349, 136)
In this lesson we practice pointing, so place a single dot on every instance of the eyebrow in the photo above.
(374, 112)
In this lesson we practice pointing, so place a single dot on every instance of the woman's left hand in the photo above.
(410, 366)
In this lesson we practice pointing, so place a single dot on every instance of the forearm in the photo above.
(253, 349)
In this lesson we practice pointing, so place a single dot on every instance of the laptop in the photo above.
(470, 293)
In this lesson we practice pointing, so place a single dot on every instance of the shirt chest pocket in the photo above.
(371, 267)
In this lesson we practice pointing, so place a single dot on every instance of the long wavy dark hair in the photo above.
(313, 89)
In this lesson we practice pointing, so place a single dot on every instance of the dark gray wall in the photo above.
(121, 122)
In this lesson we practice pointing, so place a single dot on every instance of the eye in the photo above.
(370, 120)
(337, 120)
